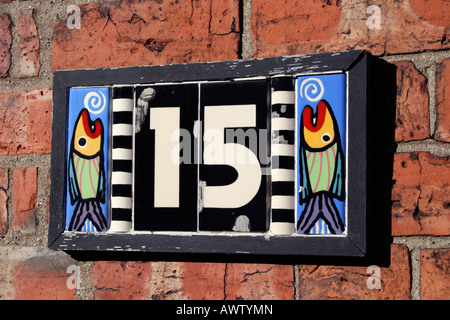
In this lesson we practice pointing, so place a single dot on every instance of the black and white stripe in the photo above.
(283, 151)
(122, 159)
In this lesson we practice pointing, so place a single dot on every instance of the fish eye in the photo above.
(82, 141)
(326, 137)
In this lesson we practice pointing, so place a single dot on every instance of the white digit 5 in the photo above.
(241, 191)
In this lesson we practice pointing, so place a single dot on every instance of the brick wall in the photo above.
(35, 40)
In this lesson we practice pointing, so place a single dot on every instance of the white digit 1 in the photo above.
(167, 172)
(241, 191)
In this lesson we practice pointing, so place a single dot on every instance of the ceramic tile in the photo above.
(321, 154)
(87, 157)
(122, 158)
(283, 155)
(234, 162)
(165, 195)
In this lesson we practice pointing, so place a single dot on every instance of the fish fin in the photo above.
(73, 184)
(337, 188)
(101, 184)
(305, 187)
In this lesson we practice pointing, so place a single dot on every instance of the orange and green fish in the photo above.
(322, 165)
(86, 173)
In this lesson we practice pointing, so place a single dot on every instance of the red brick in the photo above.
(442, 129)
(412, 114)
(24, 190)
(148, 32)
(116, 280)
(225, 17)
(36, 274)
(259, 282)
(351, 283)
(421, 205)
(280, 28)
(434, 274)
(296, 27)
(191, 280)
(26, 122)
(187, 280)
(3, 201)
(40, 274)
(29, 48)
(236, 281)
(4, 178)
(3, 212)
(5, 44)
(166, 281)
(158, 280)
(203, 281)
(434, 12)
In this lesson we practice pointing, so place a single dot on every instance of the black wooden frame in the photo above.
(353, 244)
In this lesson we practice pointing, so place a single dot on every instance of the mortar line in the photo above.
(415, 273)
(296, 282)
(434, 56)
(423, 241)
(415, 244)
(246, 38)
(86, 289)
(431, 75)
(429, 145)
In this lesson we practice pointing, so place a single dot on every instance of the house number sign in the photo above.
(263, 156)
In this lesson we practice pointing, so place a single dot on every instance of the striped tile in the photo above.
(122, 157)
(282, 159)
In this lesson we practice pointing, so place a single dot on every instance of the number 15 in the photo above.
(165, 121)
